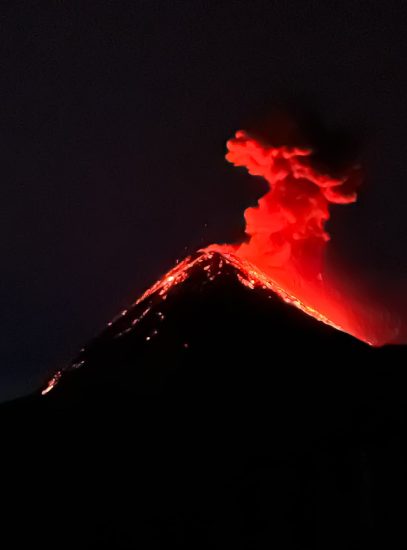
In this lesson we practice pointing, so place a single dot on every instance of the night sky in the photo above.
(114, 118)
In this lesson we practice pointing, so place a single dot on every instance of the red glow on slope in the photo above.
(247, 274)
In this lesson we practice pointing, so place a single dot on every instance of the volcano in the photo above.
(282, 260)
(211, 413)
(236, 403)
(210, 299)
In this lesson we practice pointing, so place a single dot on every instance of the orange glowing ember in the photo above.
(52, 383)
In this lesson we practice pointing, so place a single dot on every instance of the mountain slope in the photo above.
(211, 414)
(210, 301)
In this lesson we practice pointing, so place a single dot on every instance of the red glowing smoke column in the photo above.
(287, 228)
(286, 234)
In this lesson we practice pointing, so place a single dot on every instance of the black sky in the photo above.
(114, 117)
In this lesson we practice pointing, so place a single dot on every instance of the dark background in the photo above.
(114, 118)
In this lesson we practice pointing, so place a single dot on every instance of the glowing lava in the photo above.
(247, 274)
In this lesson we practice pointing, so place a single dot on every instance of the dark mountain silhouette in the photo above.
(211, 414)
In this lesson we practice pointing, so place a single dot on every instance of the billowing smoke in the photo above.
(287, 228)
(286, 235)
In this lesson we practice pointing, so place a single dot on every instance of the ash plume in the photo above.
(307, 173)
